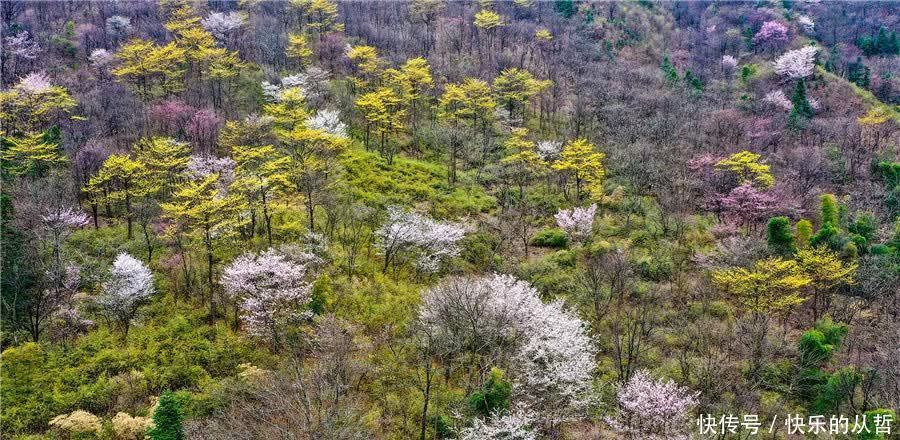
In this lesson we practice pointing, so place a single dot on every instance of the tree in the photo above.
(130, 284)
(801, 109)
(826, 271)
(580, 159)
(167, 418)
(780, 236)
(493, 395)
(771, 33)
(145, 65)
(430, 242)
(522, 163)
(488, 20)
(366, 60)
(384, 110)
(415, 79)
(747, 167)
(220, 24)
(33, 155)
(515, 88)
(298, 49)
(771, 286)
(512, 425)
(32, 105)
(165, 161)
(271, 290)
(262, 176)
(470, 100)
(653, 409)
(804, 233)
(123, 180)
(203, 206)
(577, 222)
(796, 64)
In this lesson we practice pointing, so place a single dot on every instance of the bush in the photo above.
(551, 237)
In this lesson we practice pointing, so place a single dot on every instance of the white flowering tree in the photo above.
(549, 150)
(555, 365)
(220, 24)
(328, 121)
(513, 425)
(778, 99)
(431, 242)
(499, 320)
(577, 222)
(271, 291)
(798, 63)
(653, 409)
(129, 285)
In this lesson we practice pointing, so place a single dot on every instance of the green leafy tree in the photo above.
(747, 167)
(780, 236)
(802, 110)
(124, 181)
(580, 159)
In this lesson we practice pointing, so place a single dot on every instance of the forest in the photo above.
(449, 219)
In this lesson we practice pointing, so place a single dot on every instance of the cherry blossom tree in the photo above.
(653, 410)
(577, 222)
(101, 58)
(129, 285)
(118, 25)
(22, 46)
(328, 121)
(513, 425)
(430, 241)
(271, 290)
(747, 204)
(798, 63)
(806, 23)
(771, 33)
(497, 319)
(549, 150)
(220, 24)
(778, 99)
(729, 62)
(201, 166)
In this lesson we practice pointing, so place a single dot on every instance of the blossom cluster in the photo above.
(270, 288)
(434, 241)
(798, 63)
(652, 409)
(577, 222)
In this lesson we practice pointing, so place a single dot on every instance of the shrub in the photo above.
(550, 237)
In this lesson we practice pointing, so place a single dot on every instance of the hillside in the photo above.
(441, 219)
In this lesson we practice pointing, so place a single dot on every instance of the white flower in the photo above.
(100, 57)
(219, 24)
(34, 83)
(328, 121)
(577, 222)
(797, 63)
(777, 98)
(806, 23)
(433, 241)
(549, 150)
(729, 62)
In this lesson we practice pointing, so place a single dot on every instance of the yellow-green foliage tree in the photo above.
(365, 60)
(747, 167)
(522, 162)
(31, 154)
(584, 164)
(770, 287)
(298, 50)
(826, 271)
(32, 105)
(201, 208)
(516, 87)
(150, 69)
(414, 80)
(383, 110)
(470, 100)
(124, 181)
(165, 161)
(261, 177)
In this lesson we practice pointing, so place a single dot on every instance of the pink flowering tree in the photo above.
(771, 34)
(777, 99)
(653, 410)
(203, 130)
(747, 205)
(130, 284)
(429, 242)
(577, 222)
(171, 117)
(271, 291)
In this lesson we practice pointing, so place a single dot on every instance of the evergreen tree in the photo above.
(167, 419)
(802, 109)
